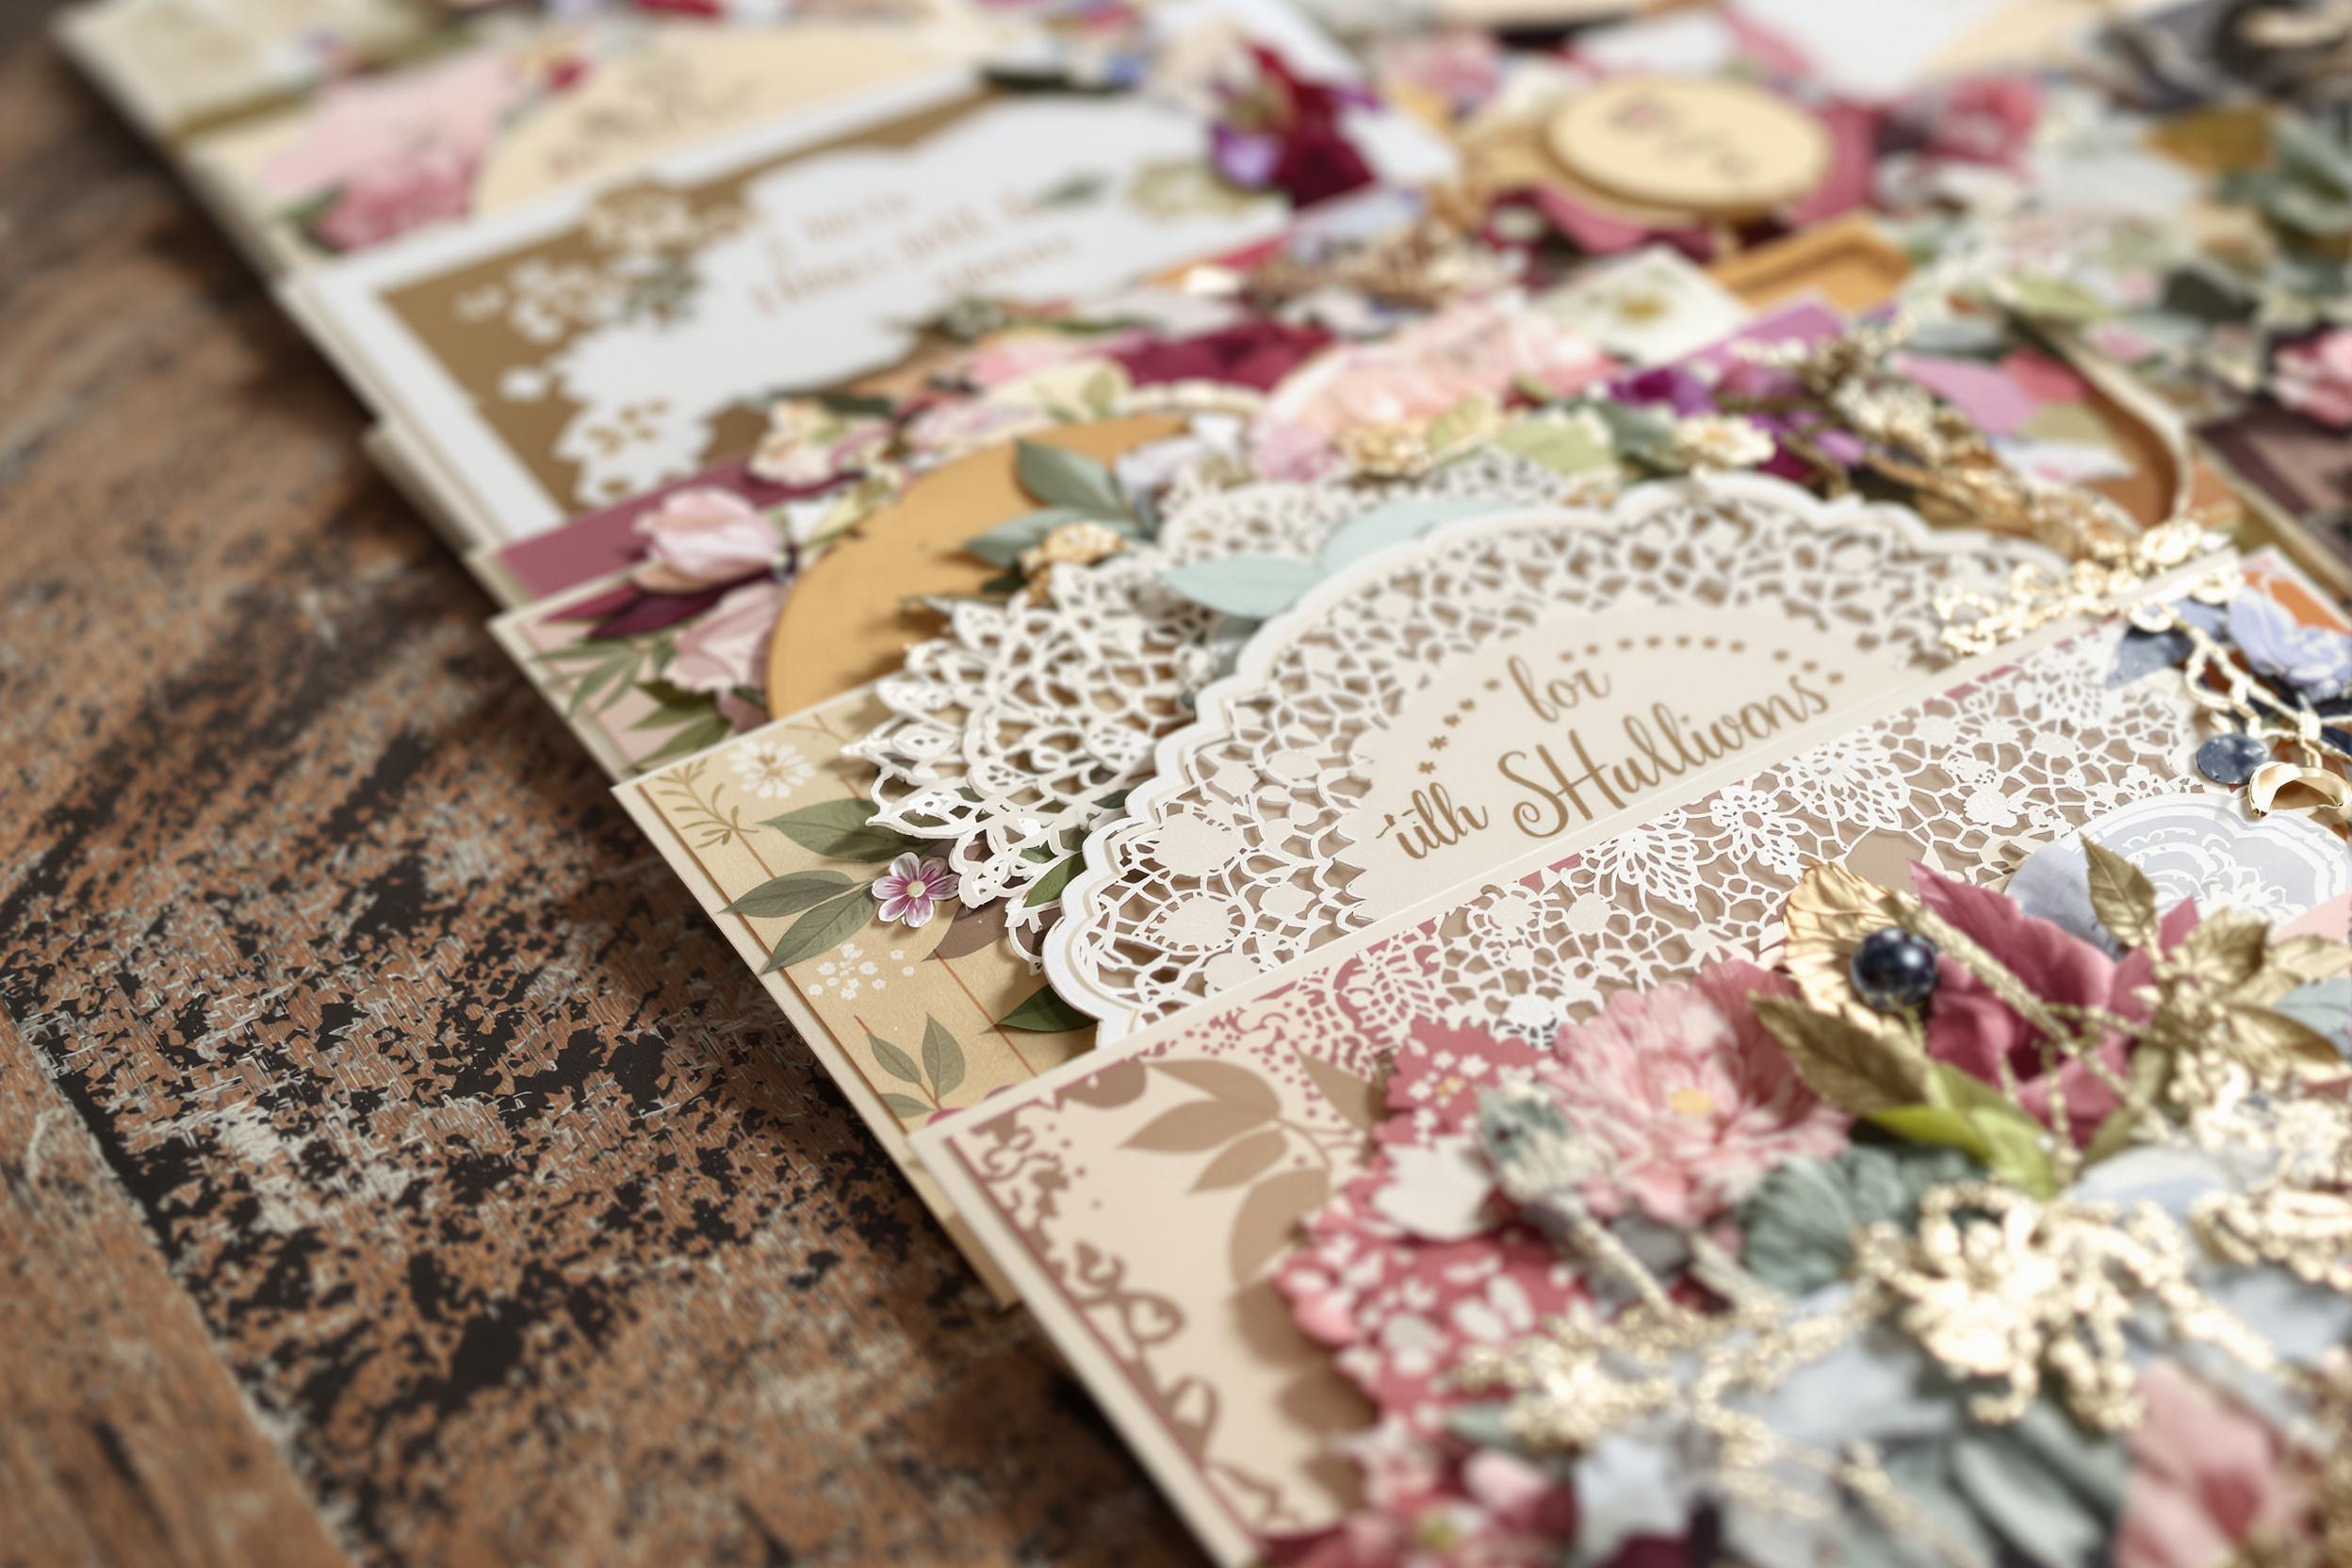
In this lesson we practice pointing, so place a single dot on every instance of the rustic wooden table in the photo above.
(393, 1164)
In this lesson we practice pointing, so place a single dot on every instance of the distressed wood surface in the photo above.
(394, 1165)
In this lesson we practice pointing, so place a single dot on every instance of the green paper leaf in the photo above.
(1464, 420)
(1057, 477)
(942, 1058)
(2325, 1007)
(1253, 587)
(1044, 1013)
(893, 1060)
(906, 1107)
(1563, 446)
(2047, 298)
(843, 830)
(790, 894)
(822, 928)
(1049, 887)
(1002, 544)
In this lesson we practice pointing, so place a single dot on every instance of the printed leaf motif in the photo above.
(1356, 1098)
(893, 1061)
(1061, 477)
(2122, 897)
(1196, 1126)
(1251, 587)
(1840, 1061)
(825, 926)
(906, 1107)
(942, 1058)
(1226, 1082)
(1044, 1013)
(1244, 1161)
(1269, 1216)
(843, 831)
(790, 894)
(697, 735)
(974, 928)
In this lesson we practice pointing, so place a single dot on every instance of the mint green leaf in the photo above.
(2324, 1007)
(822, 928)
(942, 1058)
(1002, 544)
(2047, 298)
(906, 1107)
(1045, 1013)
(843, 831)
(1057, 477)
(790, 894)
(1375, 531)
(1253, 587)
(893, 1061)
(2310, 153)
(1466, 419)
(1801, 1219)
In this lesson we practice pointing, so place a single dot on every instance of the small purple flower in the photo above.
(912, 890)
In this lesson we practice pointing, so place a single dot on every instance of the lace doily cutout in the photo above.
(1017, 730)
(1424, 718)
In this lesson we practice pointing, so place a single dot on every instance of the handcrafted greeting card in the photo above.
(1425, 717)
(1142, 1197)
(581, 349)
(523, 111)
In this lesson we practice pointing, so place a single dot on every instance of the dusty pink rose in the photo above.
(402, 148)
(385, 201)
(1691, 1101)
(2314, 378)
(701, 537)
(1974, 1030)
(2207, 1476)
(913, 888)
(727, 646)
(1489, 345)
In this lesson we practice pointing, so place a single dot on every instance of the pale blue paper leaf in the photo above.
(1253, 587)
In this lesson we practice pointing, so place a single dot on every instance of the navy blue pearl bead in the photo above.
(2232, 758)
(1893, 970)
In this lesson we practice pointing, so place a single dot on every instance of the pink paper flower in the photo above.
(2207, 1476)
(726, 648)
(1489, 345)
(2314, 378)
(1974, 1030)
(1691, 1100)
(913, 888)
(701, 537)
(1979, 120)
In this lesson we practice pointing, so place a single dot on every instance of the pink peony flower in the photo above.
(728, 645)
(912, 888)
(701, 537)
(1976, 1031)
(2207, 1476)
(2314, 378)
(1692, 1099)
(1488, 345)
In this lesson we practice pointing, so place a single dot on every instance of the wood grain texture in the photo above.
(395, 1161)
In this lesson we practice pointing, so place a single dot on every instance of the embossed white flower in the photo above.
(1659, 859)
(771, 769)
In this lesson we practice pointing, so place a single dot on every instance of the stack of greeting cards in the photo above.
(1585, 788)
